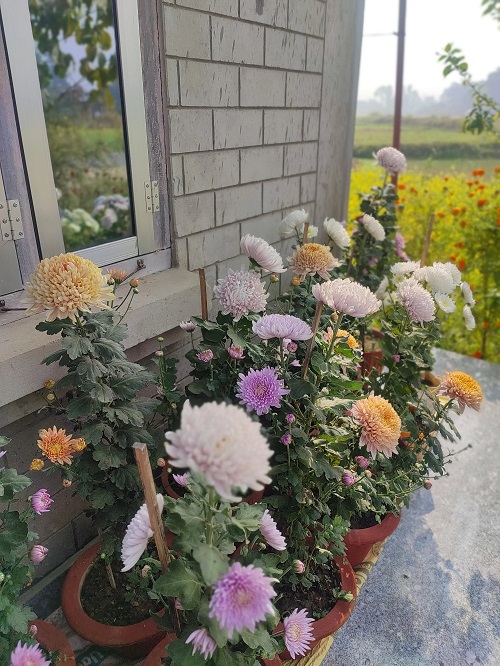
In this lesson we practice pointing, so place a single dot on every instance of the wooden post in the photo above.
(203, 293)
(315, 326)
(306, 233)
(148, 484)
(427, 240)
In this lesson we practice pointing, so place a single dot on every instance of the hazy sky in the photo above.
(430, 25)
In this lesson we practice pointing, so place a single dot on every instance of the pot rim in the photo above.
(52, 638)
(374, 534)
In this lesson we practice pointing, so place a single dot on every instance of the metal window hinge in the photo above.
(11, 224)
(152, 196)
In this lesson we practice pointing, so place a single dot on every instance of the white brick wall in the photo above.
(262, 87)
(234, 128)
(261, 163)
(234, 41)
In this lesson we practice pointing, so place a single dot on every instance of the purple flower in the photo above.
(296, 363)
(299, 567)
(372, 261)
(282, 326)
(396, 358)
(38, 553)
(181, 479)
(2, 453)
(28, 655)
(348, 479)
(242, 598)
(418, 302)
(298, 632)
(271, 533)
(188, 326)
(241, 292)
(235, 352)
(260, 390)
(289, 418)
(286, 439)
(399, 243)
(362, 461)
(202, 642)
(41, 501)
(292, 347)
(206, 355)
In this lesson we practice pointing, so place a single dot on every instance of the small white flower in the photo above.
(137, 536)
(439, 279)
(289, 224)
(373, 227)
(404, 267)
(470, 322)
(391, 159)
(382, 289)
(467, 294)
(337, 232)
(450, 268)
(445, 302)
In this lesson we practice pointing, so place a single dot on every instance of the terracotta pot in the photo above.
(339, 613)
(359, 542)
(134, 640)
(252, 498)
(54, 640)
(154, 658)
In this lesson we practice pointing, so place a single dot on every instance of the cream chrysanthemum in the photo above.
(337, 232)
(381, 426)
(450, 268)
(404, 267)
(312, 259)
(65, 285)
(438, 278)
(290, 224)
(262, 253)
(373, 227)
(463, 388)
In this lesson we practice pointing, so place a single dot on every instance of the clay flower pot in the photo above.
(54, 640)
(134, 640)
(359, 542)
(252, 498)
(339, 613)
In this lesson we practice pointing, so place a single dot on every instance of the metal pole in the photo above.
(398, 102)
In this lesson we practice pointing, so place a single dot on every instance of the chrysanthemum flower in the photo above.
(298, 632)
(450, 268)
(117, 275)
(224, 444)
(399, 247)
(137, 536)
(299, 567)
(289, 225)
(382, 290)
(417, 301)
(405, 267)
(181, 479)
(439, 279)
(445, 302)
(348, 297)
(41, 501)
(351, 340)
(282, 326)
(312, 231)
(312, 259)
(205, 356)
(467, 294)
(362, 461)
(37, 464)
(381, 426)
(348, 479)
(469, 320)
(28, 655)
(79, 444)
(463, 388)
(187, 326)
(56, 445)
(241, 292)
(391, 159)
(262, 253)
(202, 642)
(271, 533)
(260, 390)
(38, 553)
(373, 227)
(236, 352)
(337, 232)
(65, 285)
(242, 598)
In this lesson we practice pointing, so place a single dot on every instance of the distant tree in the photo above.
(385, 96)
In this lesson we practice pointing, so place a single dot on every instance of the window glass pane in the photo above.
(75, 44)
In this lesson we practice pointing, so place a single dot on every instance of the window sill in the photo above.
(164, 299)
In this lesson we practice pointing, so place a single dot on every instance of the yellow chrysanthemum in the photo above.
(79, 444)
(37, 465)
(351, 340)
(463, 388)
(56, 445)
(381, 426)
(65, 285)
(312, 259)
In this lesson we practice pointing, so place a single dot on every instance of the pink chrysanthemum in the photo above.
(181, 479)
(202, 642)
(38, 553)
(28, 655)
(348, 297)
(298, 632)
(299, 567)
(41, 501)
(417, 301)
(391, 159)
(399, 246)
(262, 253)
(242, 598)
(187, 325)
(282, 326)
(381, 426)
(205, 356)
(241, 292)
(137, 536)
(312, 259)
(362, 461)
(463, 388)
(271, 533)
(260, 390)
(348, 479)
(224, 444)
(235, 352)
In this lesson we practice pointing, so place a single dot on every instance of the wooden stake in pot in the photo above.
(203, 293)
(427, 240)
(315, 326)
(306, 233)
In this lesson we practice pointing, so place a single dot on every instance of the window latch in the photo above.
(152, 196)
(11, 224)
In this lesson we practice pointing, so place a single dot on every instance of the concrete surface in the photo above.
(433, 599)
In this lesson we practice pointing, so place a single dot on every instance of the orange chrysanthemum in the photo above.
(478, 172)
(381, 426)
(312, 259)
(482, 202)
(463, 388)
(65, 285)
(56, 445)
(351, 340)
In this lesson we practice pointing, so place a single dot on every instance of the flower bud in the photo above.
(2, 577)
(135, 291)
(50, 383)
(159, 353)
(362, 461)
(286, 439)
(50, 397)
(66, 483)
(368, 473)
(33, 629)
(145, 571)
(134, 282)
(161, 462)
(299, 567)
(274, 278)
(348, 479)
(290, 418)
(38, 553)
(160, 339)
(427, 485)
(295, 281)
(36, 465)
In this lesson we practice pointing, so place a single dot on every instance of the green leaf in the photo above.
(83, 406)
(126, 414)
(108, 457)
(299, 388)
(181, 653)
(101, 393)
(180, 581)
(260, 638)
(101, 497)
(76, 346)
(91, 368)
(11, 482)
(212, 563)
(93, 433)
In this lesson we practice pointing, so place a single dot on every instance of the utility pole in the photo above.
(398, 103)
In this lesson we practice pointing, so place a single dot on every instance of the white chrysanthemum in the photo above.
(312, 231)
(450, 268)
(223, 443)
(439, 280)
(382, 289)
(470, 322)
(337, 232)
(416, 299)
(391, 159)
(405, 267)
(288, 226)
(348, 297)
(241, 292)
(137, 536)
(262, 253)
(467, 294)
(373, 227)
(445, 302)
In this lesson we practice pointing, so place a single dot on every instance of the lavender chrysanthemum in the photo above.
(262, 253)
(242, 598)
(137, 536)
(187, 326)
(298, 632)
(38, 553)
(282, 326)
(224, 444)
(337, 232)
(41, 501)
(348, 479)
(28, 655)
(241, 292)
(373, 227)
(417, 301)
(181, 479)
(391, 159)
(348, 297)
(399, 247)
(202, 642)
(271, 533)
(260, 390)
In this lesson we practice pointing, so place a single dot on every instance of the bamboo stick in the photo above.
(203, 293)
(427, 240)
(306, 232)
